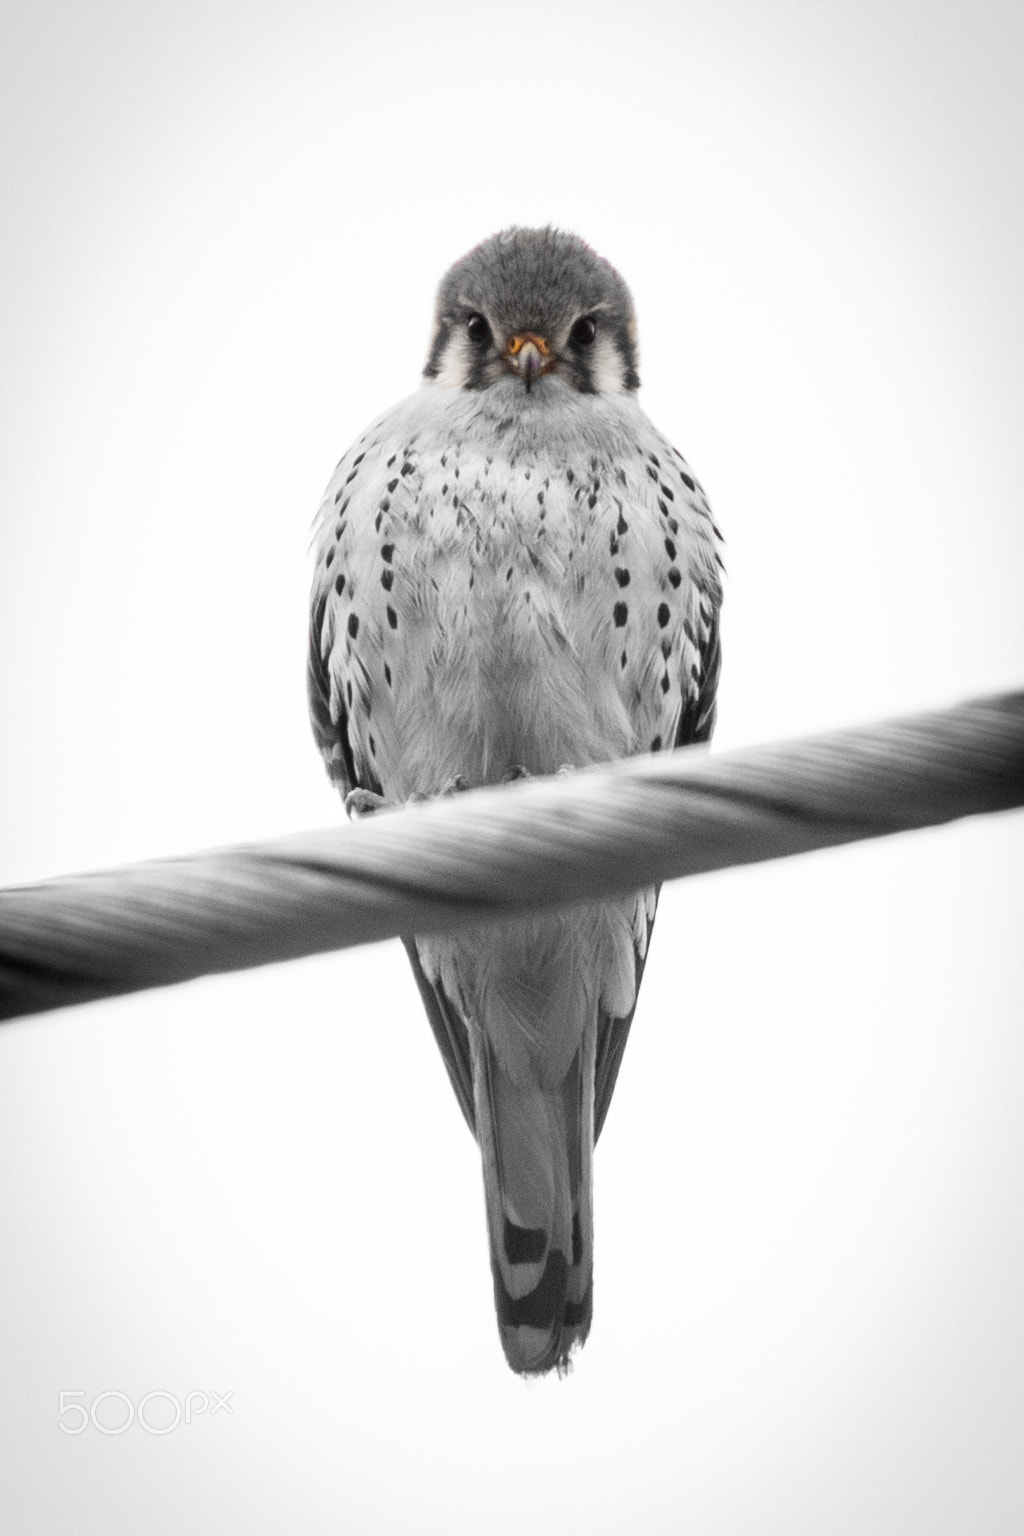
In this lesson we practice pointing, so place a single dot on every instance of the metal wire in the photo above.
(494, 853)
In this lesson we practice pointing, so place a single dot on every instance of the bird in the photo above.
(517, 574)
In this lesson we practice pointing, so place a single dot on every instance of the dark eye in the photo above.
(479, 331)
(583, 332)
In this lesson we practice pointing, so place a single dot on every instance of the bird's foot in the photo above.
(517, 771)
(454, 786)
(362, 802)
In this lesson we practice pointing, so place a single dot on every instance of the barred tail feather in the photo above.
(537, 1144)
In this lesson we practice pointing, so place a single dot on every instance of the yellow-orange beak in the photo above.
(528, 355)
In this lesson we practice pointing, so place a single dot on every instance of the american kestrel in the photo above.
(516, 572)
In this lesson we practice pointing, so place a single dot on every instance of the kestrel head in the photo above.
(529, 303)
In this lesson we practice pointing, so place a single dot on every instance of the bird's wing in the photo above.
(339, 687)
(450, 1032)
(696, 722)
(612, 1033)
(341, 676)
(328, 714)
(700, 709)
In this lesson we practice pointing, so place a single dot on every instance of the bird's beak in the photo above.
(528, 355)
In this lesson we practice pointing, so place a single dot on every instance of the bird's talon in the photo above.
(362, 802)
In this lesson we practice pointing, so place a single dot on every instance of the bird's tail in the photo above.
(537, 1148)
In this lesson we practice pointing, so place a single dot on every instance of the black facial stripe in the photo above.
(626, 348)
(478, 368)
(582, 374)
(473, 360)
(583, 361)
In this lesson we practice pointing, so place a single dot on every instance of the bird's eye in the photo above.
(583, 332)
(478, 330)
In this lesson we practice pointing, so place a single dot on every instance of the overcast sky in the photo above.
(222, 225)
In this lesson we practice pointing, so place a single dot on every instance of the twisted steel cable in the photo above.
(495, 853)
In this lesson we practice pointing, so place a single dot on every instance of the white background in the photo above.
(222, 225)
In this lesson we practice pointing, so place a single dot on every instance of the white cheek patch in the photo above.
(606, 370)
(456, 362)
